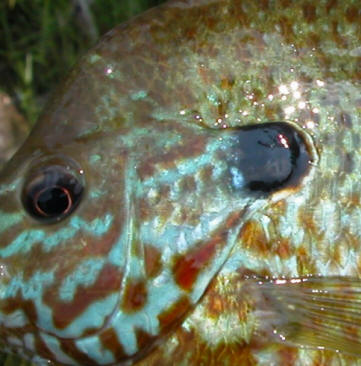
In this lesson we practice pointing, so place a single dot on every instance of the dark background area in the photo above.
(41, 39)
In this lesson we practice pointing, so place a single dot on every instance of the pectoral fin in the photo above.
(316, 312)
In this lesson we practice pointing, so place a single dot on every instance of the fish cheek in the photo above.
(62, 265)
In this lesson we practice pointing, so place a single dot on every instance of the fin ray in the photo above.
(316, 312)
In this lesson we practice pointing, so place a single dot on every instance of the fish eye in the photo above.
(52, 193)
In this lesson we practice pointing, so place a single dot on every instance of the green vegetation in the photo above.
(41, 39)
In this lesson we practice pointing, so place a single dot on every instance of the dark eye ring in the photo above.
(52, 192)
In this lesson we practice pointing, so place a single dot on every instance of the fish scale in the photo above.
(169, 260)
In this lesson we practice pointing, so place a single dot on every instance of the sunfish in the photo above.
(190, 195)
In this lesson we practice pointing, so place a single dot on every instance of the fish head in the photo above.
(111, 236)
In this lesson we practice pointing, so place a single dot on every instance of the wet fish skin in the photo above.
(199, 64)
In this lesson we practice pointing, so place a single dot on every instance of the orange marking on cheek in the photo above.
(10, 305)
(64, 313)
(153, 264)
(82, 246)
(135, 296)
(27, 306)
(187, 267)
(174, 313)
(42, 349)
(69, 347)
(101, 246)
(110, 341)
(144, 339)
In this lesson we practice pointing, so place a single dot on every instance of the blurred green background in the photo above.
(39, 42)
(41, 39)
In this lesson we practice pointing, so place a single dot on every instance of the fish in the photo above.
(191, 196)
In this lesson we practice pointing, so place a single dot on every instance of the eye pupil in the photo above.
(53, 201)
(52, 193)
